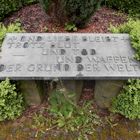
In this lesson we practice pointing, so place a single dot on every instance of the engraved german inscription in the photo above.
(68, 56)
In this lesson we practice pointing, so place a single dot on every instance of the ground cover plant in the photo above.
(127, 102)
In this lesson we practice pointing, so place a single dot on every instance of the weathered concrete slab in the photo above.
(67, 56)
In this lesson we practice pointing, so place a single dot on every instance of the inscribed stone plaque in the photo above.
(68, 56)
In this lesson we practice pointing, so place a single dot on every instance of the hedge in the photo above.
(128, 6)
(8, 6)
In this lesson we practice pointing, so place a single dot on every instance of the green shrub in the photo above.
(127, 102)
(15, 27)
(11, 102)
(132, 27)
(8, 6)
(128, 6)
(77, 12)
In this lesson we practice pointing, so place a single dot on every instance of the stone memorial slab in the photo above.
(68, 56)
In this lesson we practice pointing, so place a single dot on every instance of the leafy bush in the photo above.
(77, 12)
(15, 27)
(11, 102)
(128, 6)
(132, 27)
(70, 117)
(8, 6)
(128, 102)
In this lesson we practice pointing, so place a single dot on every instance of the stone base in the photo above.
(33, 91)
(71, 86)
(105, 91)
(74, 87)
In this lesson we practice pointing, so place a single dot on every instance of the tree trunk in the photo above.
(56, 11)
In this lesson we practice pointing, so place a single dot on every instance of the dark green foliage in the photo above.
(8, 6)
(128, 6)
(11, 102)
(77, 12)
(80, 11)
(128, 102)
